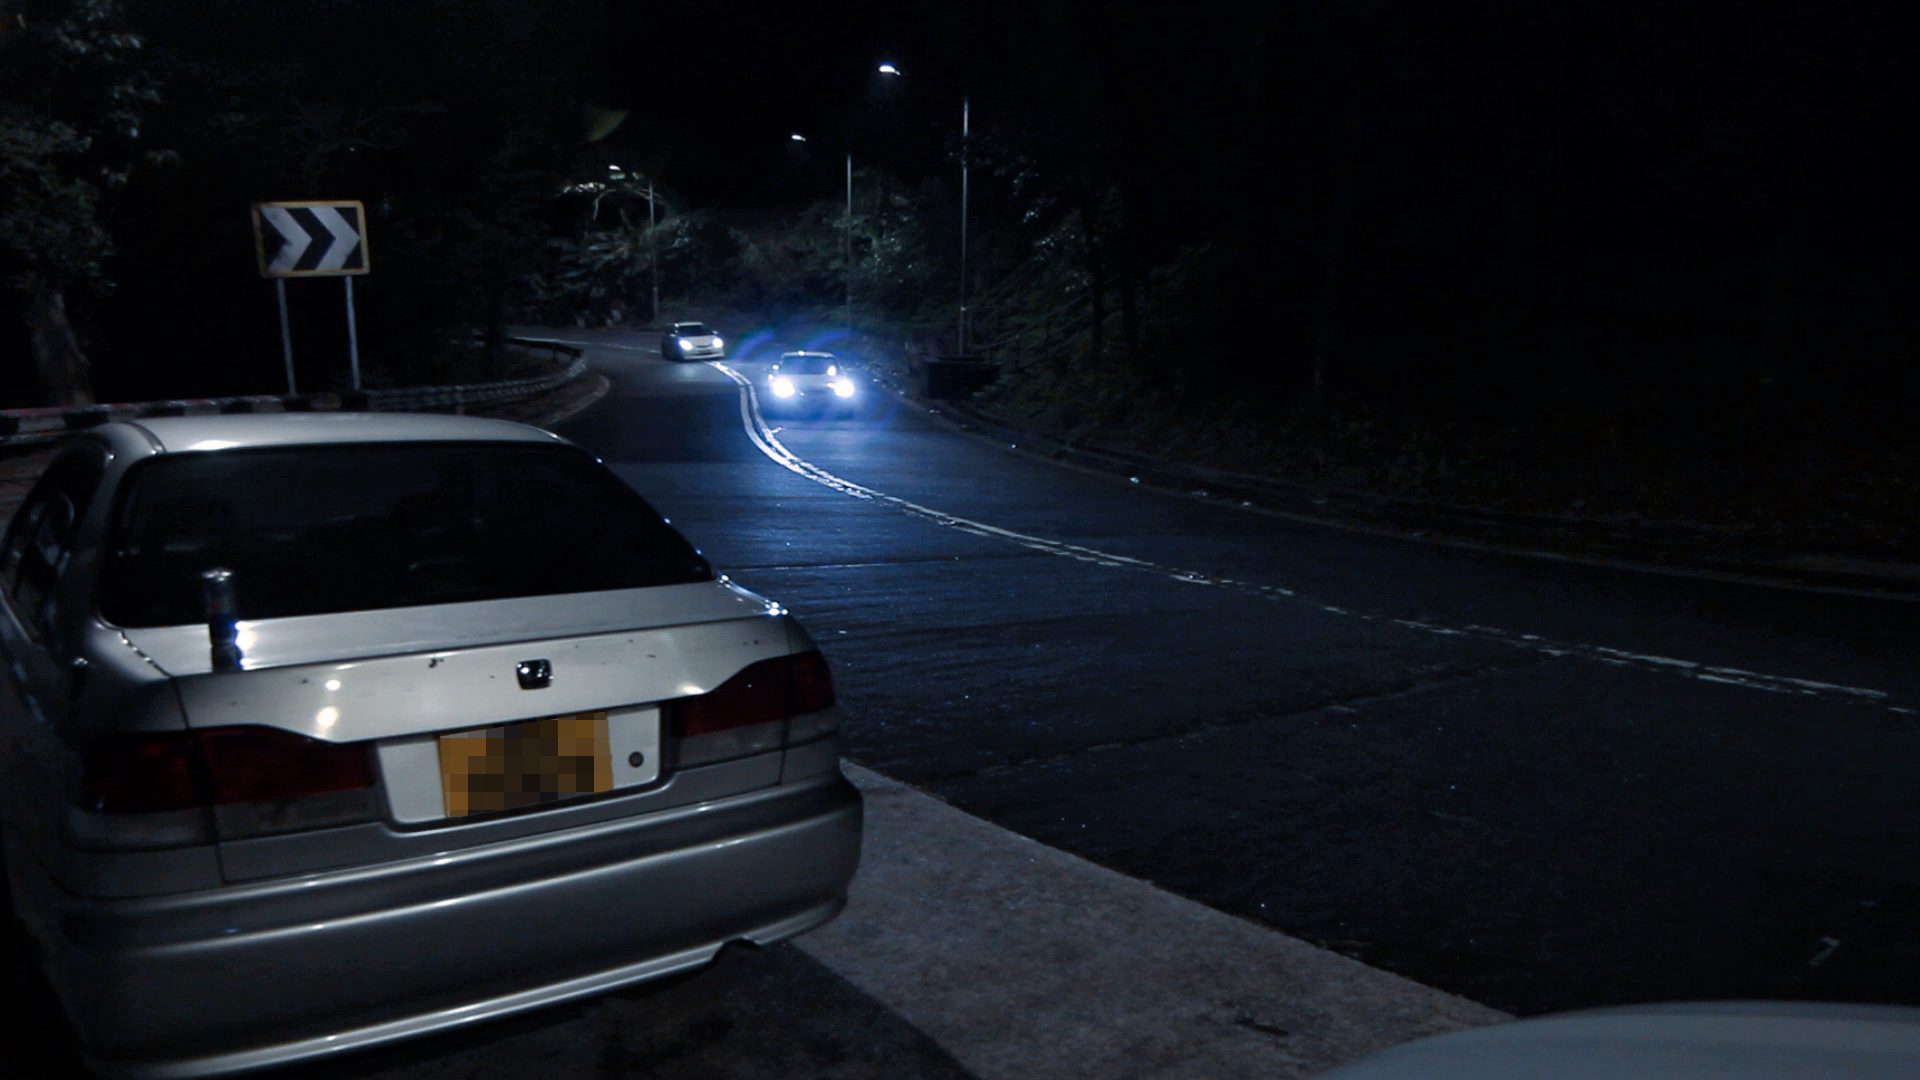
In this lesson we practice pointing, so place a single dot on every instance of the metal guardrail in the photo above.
(428, 397)
(28, 426)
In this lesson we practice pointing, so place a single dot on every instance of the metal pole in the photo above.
(964, 112)
(849, 245)
(286, 339)
(653, 255)
(353, 333)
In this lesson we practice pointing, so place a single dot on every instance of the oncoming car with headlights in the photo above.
(692, 341)
(816, 379)
(325, 730)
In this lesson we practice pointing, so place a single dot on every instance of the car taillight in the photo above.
(757, 695)
(762, 696)
(140, 774)
(152, 790)
(811, 688)
(259, 764)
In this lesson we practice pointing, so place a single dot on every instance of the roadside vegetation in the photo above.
(1598, 260)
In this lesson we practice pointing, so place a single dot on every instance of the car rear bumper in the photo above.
(266, 974)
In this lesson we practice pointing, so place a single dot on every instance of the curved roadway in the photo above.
(1537, 785)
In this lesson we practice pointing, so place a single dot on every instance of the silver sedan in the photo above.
(327, 730)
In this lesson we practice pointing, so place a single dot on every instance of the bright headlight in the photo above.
(843, 387)
(782, 387)
(719, 342)
(685, 344)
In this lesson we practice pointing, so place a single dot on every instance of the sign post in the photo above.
(286, 340)
(312, 239)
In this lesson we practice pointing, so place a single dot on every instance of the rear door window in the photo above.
(313, 530)
(38, 540)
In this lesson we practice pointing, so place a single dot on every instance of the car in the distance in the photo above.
(324, 730)
(692, 341)
(810, 379)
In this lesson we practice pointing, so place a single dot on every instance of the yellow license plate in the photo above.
(510, 766)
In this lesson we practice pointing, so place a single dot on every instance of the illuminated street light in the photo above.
(797, 137)
(965, 127)
(889, 69)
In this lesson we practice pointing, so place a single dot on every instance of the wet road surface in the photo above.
(1537, 785)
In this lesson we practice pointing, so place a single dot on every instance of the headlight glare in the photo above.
(719, 342)
(782, 387)
(843, 387)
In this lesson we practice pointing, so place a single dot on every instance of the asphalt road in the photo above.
(1532, 784)
(1537, 785)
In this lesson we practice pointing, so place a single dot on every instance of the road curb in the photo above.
(1666, 548)
(573, 409)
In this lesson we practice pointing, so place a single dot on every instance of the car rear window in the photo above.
(807, 365)
(313, 530)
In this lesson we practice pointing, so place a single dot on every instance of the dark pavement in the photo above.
(1528, 798)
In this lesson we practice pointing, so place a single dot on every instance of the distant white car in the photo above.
(692, 341)
(817, 379)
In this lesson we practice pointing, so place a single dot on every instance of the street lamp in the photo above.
(965, 109)
(885, 69)
(653, 255)
(653, 241)
(847, 240)
(849, 246)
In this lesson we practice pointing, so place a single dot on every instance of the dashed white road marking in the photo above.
(764, 438)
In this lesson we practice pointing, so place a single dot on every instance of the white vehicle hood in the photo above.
(1748, 1040)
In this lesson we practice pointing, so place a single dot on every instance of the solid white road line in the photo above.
(763, 437)
(1027, 963)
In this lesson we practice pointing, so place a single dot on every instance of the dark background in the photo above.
(1694, 214)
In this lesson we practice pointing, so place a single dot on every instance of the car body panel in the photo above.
(1752, 1040)
(177, 434)
(370, 844)
(183, 650)
(355, 699)
(197, 983)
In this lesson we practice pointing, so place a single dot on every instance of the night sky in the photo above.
(721, 87)
(1435, 197)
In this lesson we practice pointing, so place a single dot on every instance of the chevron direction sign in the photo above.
(310, 239)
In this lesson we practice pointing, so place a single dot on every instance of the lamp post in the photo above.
(653, 256)
(894, 72)
(849, 257)
(965, 109)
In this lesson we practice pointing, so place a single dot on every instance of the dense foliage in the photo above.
(1487, 207)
